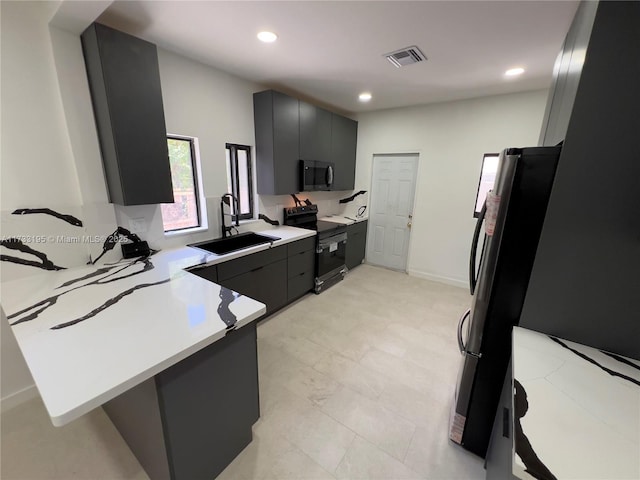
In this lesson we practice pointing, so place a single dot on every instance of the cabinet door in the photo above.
(276, 120)
(356, 244)
(266, 284)
(124, 80)
(344, 135)
(315, 133)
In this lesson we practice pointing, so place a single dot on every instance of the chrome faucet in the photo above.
(226, 198)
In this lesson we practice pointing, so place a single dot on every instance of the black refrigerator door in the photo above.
(503, 281)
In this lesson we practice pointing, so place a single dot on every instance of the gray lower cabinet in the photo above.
(300, 267)
(356, 243)
(261, 276)
(191, 420)
(275, 277)
(265, 284)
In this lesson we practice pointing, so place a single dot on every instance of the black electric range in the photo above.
(331, 244)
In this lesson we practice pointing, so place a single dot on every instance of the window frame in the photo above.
(232, 170)
(201, 209)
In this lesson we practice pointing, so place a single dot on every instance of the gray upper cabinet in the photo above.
(344, 137)
(124, 80)
(276, 118)
(315, 133)
(566, 76)
(289, 130)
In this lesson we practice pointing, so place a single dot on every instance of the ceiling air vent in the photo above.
(406, 56)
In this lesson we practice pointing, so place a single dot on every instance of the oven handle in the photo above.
(326, 242)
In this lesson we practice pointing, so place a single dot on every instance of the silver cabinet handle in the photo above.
(329, 175)
(461, 344)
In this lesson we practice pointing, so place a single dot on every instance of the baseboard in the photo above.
(16, 398)
(438, 278)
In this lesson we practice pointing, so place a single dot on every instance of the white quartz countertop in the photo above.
(343, 220)
(89, 334)
(581, 410)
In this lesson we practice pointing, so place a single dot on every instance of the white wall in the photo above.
(36, 161)
(450, 139)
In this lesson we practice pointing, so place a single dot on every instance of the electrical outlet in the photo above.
(138, 226)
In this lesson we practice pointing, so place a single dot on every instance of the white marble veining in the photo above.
(343, 220)
(141, 324)
(582, 422)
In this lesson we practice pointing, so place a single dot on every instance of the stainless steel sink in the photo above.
(234, 243)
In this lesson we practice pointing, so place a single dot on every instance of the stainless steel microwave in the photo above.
(316, 175)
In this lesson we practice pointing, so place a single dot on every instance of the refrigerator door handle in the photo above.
(461, 344)
(473, 279)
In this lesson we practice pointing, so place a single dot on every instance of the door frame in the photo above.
(418, 153)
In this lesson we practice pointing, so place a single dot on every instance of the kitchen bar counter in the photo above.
(89, 334)
(577, 410)
(170, 356)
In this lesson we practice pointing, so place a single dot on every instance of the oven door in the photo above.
(331, 255)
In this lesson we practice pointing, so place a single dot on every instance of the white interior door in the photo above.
(392, 192)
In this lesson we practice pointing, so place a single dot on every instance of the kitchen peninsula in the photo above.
(169, 355)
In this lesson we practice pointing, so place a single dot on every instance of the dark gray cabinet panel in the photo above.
(300, 263)
(303, 245)
(208, 273)
(584, 282)
(356, 243)
(276, 121)
(247, 263)
(266, 284)
(499, 464)
(192, 419)
(209, 402)
(299, 285)
(566, 76)
(289, 130)
(124, 80)
(300, 268)
(344, 138)
(315, 133)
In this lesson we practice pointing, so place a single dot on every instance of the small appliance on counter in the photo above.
(331, 244)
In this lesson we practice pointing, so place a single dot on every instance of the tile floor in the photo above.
(355, 383)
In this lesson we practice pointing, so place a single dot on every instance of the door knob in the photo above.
(409, 224)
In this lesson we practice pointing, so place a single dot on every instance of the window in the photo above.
(185, 211)
(240, 179)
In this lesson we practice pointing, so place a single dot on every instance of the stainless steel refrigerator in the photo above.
(498, 287)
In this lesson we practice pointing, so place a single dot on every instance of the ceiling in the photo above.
(330, 51)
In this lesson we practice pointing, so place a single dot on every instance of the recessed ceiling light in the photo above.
(364, 97)
(514, 72)
(267, 37)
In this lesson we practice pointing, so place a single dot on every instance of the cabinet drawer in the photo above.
(265, 284)
(303, 245)
(299, 285)
(247, 263)
(302, 262)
